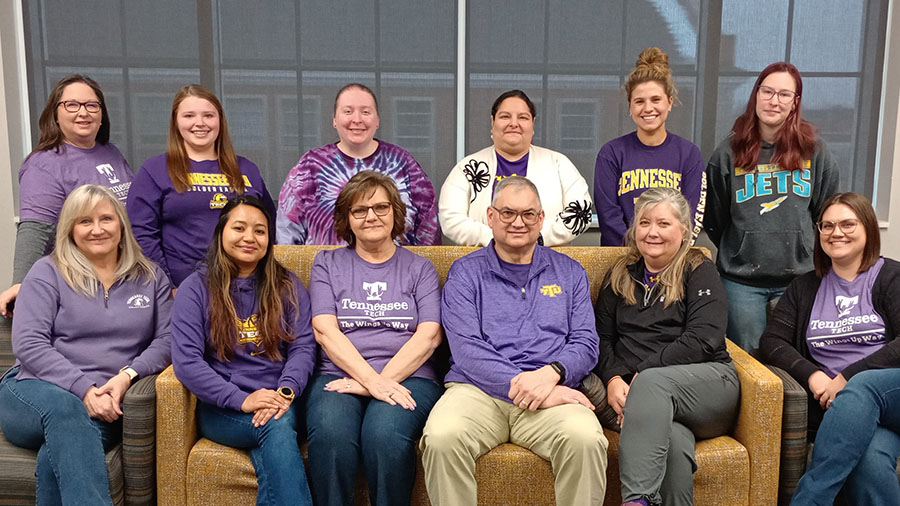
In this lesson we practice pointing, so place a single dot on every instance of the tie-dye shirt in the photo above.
(306, 202)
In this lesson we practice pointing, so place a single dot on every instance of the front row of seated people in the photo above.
(527, 351)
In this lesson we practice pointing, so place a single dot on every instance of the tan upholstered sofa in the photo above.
(739, 469)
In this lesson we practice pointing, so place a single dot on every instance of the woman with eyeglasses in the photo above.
(178, 195)
(839, 320)
(73, 150)
(766, 184)
(376, 316)
(469, 187)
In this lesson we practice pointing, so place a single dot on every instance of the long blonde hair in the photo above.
(671, 279)
(74, 267)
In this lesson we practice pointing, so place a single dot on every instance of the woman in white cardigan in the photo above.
(468, 190)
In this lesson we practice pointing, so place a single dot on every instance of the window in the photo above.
(278, 69)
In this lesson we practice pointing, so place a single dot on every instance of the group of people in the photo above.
(532, 362)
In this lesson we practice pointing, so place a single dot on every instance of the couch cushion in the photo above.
(17, 474)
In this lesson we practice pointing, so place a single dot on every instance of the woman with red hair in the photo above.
(766, 185)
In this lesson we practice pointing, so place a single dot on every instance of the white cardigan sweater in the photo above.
(467, 193)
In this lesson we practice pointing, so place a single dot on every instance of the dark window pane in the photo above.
(430, 23)
(671, 25)
(505, 33)
(269, 35)
(754, 34)
(833, 42)
(585, 32)
(99, 21)
(332, 32)
(162, 29)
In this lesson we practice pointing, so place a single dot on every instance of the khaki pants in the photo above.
(466, 423)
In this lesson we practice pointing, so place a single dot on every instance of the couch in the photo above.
(131, 464)
(738, 469)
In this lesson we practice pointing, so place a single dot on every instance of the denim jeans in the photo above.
(71, 463)
(857, 442)
(344, 429)
(273, 450)
(747, 312)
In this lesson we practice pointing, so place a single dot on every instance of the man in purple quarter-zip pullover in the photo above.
(521, 329)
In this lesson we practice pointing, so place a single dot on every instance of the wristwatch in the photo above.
(132, 374)
(286, 392)
(559, 370)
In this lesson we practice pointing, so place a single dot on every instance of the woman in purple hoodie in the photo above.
(91, 317)
(243, 344)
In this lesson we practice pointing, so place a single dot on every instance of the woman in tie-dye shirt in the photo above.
(306, 202)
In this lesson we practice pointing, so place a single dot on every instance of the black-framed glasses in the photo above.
(75, 106)
(507, 215)
(846, 226)
(380, 209)
(784, 96)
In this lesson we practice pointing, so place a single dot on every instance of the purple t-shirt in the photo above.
(175, 229)
(626, 167)
(843, 325)
(517, 273)
(378, 306)
(47, 177)
(506, 168)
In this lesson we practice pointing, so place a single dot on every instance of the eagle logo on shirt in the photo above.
(374, 290)
(109, 171)
(845, 304)
(218, 201)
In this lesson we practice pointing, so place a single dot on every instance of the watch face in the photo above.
(286, 391)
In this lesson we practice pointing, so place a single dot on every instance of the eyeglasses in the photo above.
(847, 226)
(784, 96)
(75, 106)
(507, 215)
(380, 209)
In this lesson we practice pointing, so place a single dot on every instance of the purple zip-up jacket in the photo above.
(228, 383)
(77, 341)
(497, 329)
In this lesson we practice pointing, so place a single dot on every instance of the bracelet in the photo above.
(132, 374)
(559, 370)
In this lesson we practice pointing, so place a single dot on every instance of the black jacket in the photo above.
(648, 334)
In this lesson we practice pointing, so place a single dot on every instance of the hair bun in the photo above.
(653, 57)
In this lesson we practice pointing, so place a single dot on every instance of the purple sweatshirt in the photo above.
(626, 167)
(306, 202)
(227, 383)
(175, 229)
(497, 329)
(76, 341)
(47, 177)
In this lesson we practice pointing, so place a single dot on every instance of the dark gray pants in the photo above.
(666, 411)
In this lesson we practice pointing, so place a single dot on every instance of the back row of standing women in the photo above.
(758, 198)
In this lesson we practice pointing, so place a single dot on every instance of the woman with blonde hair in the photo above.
(73, 149)
(92, 317)
(177, 196)
(649, 157)
(661, 316)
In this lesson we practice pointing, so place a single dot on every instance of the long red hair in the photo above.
(796, 140)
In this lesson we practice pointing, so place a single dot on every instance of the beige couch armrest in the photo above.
(758, 425)
(176, 433)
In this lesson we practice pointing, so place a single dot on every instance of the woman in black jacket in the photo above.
(839, 320)
(661, 317)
